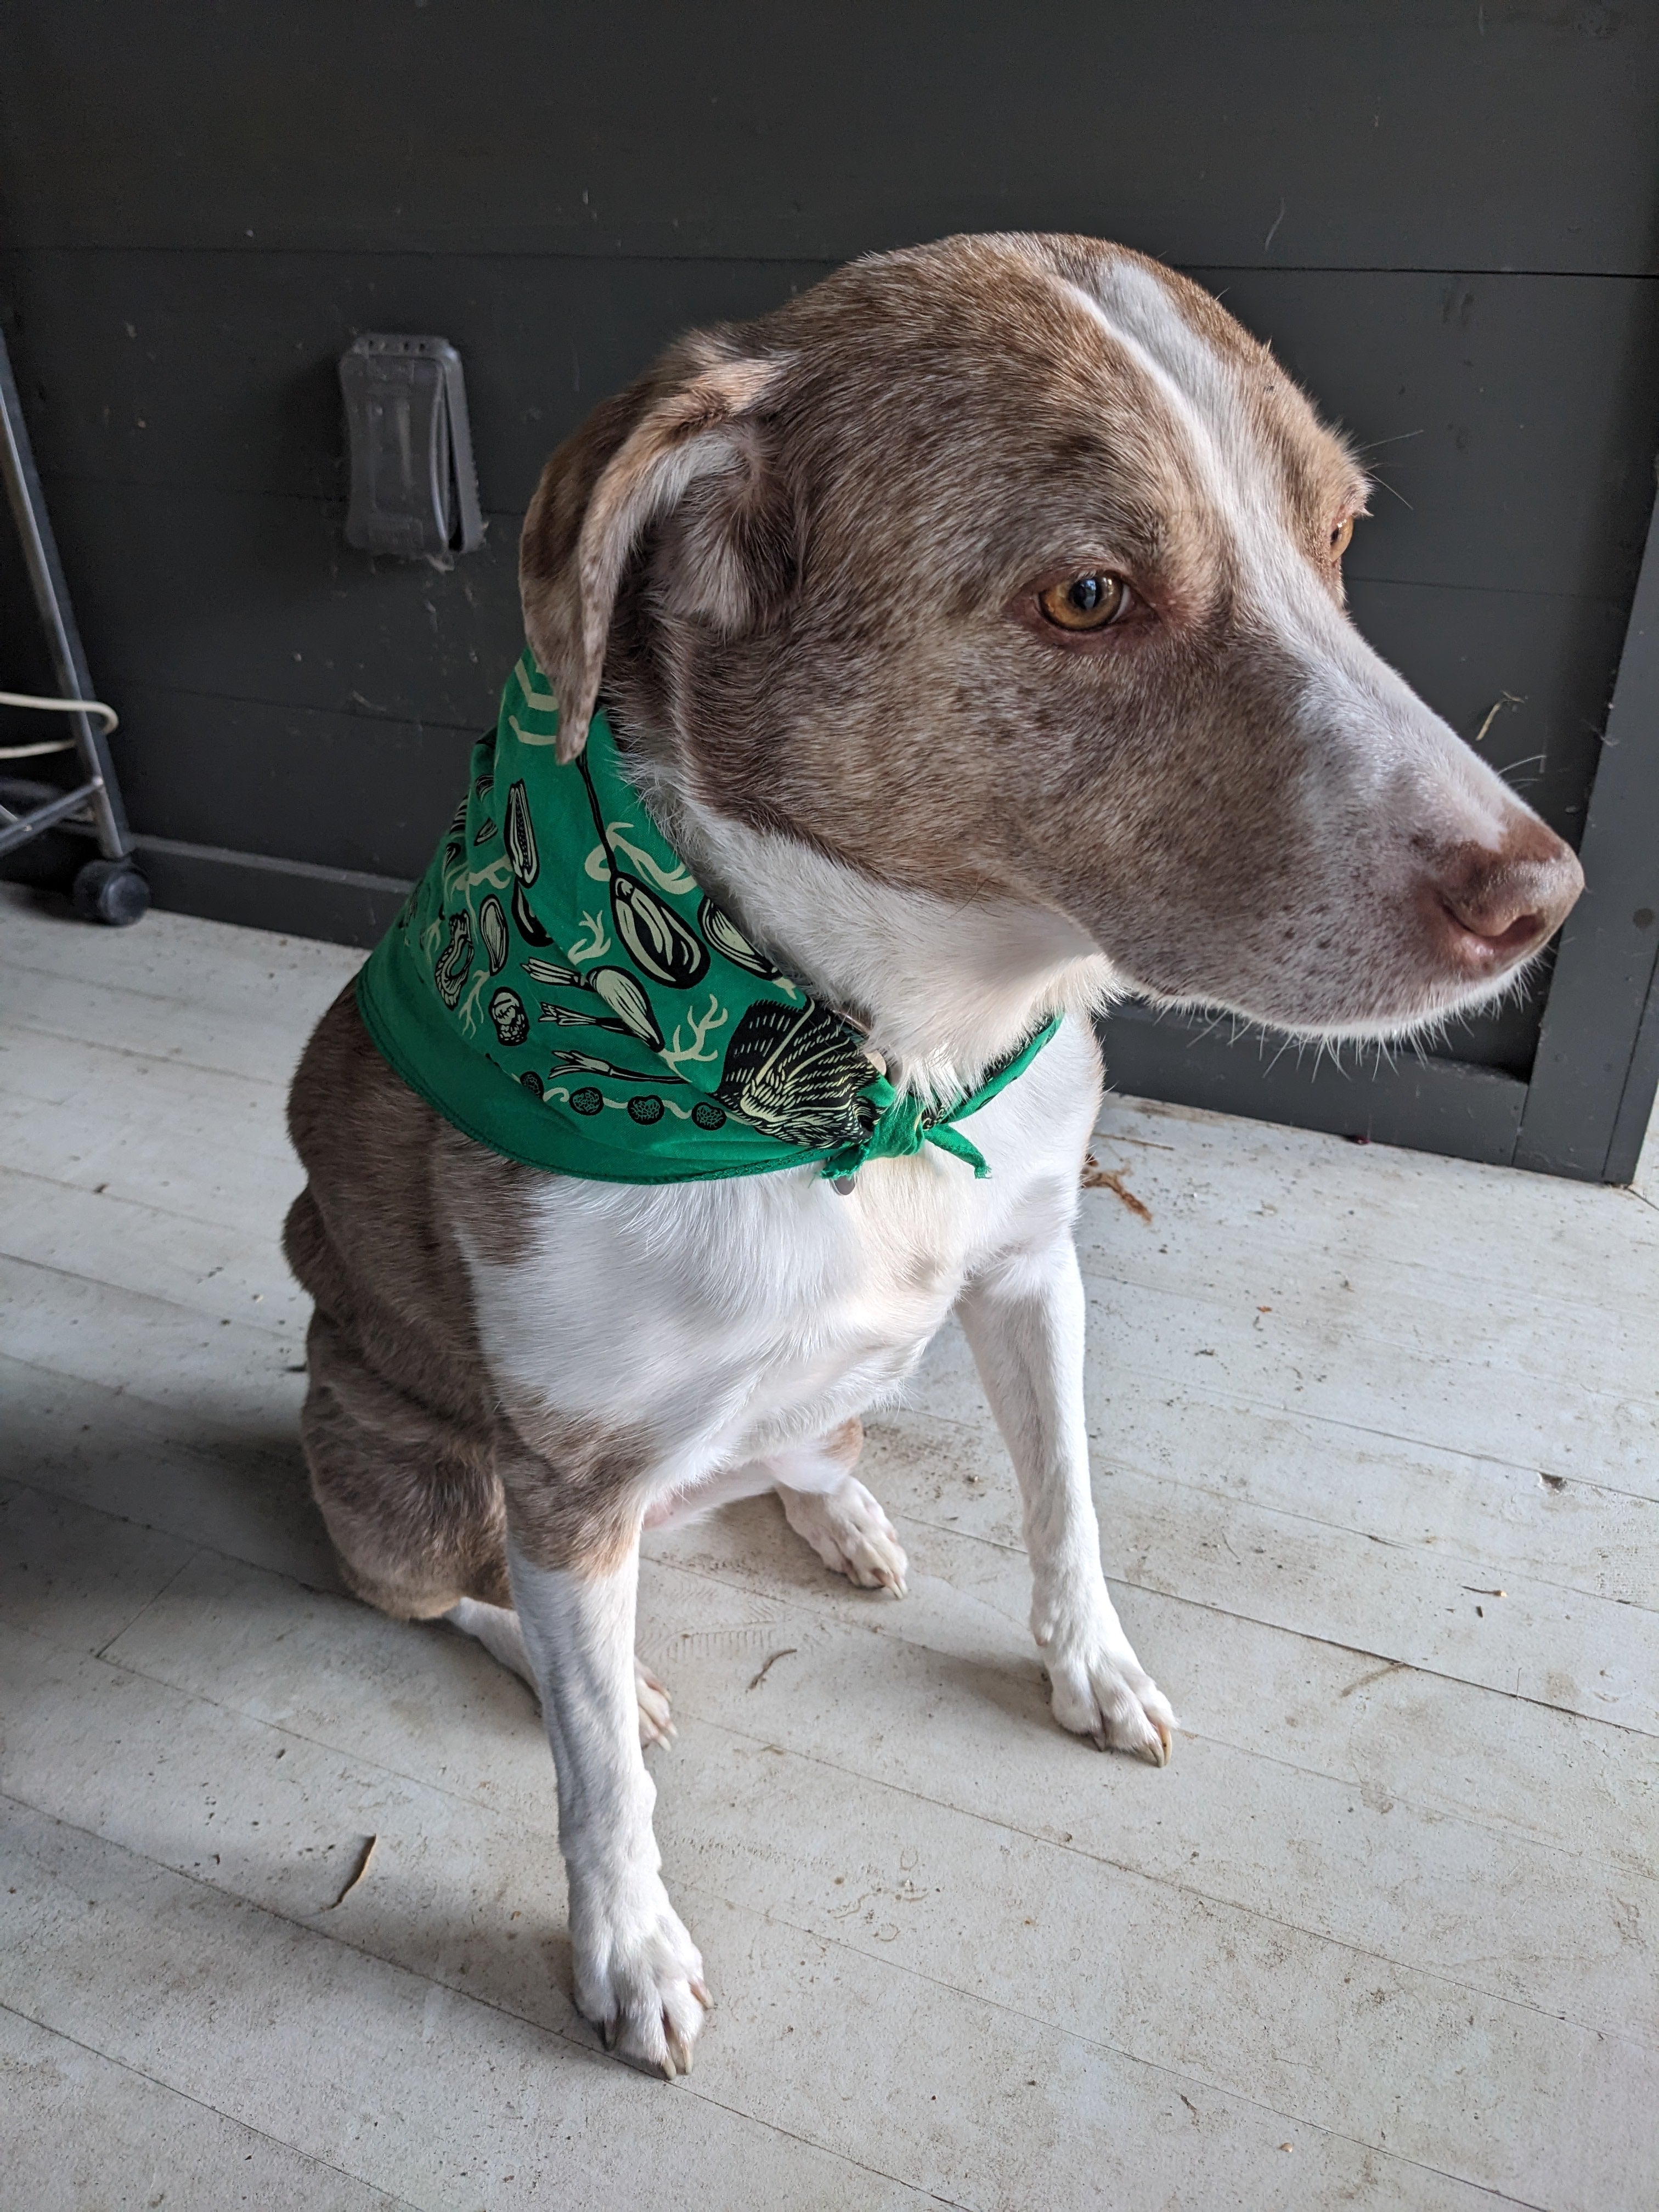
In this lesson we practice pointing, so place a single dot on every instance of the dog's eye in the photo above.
(1341, 532)
(1090, 602)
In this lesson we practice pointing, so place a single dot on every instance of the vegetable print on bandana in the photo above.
(559, 987)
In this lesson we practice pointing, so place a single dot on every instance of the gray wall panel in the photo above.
(1546, 662)
(256, 597)
(1436, 1105)
(270, 894)
(336, 791)
(1592, 1069)
(1348, 133)
(217, 370)
(1443, 218)
(1510, 421)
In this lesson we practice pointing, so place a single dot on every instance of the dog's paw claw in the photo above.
(645, 1992)
(1102, 1692)
(656, 1725)
(847, 1529)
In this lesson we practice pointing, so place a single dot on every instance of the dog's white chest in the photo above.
(729, 1317)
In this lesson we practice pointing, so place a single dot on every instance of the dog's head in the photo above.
(1011, 568)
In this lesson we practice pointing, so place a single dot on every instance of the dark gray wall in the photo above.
(1442, 216)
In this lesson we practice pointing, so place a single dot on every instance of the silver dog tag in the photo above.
(843, 1186)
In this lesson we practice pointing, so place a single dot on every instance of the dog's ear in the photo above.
(685, 437)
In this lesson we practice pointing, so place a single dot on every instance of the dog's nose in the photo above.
(1497, 905)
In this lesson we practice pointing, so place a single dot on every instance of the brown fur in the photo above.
(875, 519)
(575, 1491)
(803, 557)
(828, 630)
(844, 1444)
(408, 1444)
(399, 1417)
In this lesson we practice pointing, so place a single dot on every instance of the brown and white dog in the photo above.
(975, 626)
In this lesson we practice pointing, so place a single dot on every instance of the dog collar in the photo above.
(559, 987)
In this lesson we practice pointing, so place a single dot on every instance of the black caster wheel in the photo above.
(111, 892)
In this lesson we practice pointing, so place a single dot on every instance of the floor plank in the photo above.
(232, 1371)
(1264, 1835)
(128, 1245)
(1242, 1192)
(146, 2138)
(438, 2098)
(176, 958)
(206, 1174)
(1392, 1906)
(1317, 1704)
(1073, 2092)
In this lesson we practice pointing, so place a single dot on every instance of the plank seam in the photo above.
(587, 2042)
(967, 1997)
(202, 2104)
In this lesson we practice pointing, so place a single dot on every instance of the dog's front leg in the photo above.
(638, 1974)
(1023, 1319)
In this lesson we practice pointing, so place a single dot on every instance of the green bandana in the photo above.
(559, 987)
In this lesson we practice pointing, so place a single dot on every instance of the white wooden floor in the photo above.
(1377, 1471)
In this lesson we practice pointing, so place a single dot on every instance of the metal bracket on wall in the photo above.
(414, 490)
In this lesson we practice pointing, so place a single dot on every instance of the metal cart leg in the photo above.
(109, 888)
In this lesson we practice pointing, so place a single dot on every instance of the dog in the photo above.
(974, 627)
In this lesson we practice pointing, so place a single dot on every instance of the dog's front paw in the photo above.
(639, 1979)
(656, 1725)
(1100, 1689)
(847, 1529)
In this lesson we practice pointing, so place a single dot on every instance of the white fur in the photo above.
(740, 1321)
(736, 1324)
(497, 1628)
(638, 1974)
(1404, 767)
(948, 988)
(734, 1319)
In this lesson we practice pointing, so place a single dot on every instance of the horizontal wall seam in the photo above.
(374, 718)
(18, 250)
(335, 502)
(268, 864)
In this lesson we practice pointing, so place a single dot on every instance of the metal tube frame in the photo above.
(100, 789)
